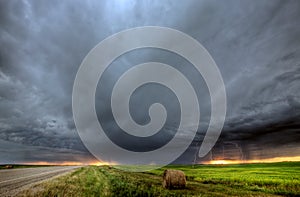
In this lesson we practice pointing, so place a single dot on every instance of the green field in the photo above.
(272, 179)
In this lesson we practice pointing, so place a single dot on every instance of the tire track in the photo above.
(12, 181)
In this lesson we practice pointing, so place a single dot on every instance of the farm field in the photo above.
(269, 179)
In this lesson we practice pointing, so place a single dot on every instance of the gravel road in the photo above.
(13, 180)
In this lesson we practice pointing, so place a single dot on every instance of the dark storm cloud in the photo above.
(19, 153)
(255, 44)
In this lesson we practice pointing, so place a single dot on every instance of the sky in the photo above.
(256, 45)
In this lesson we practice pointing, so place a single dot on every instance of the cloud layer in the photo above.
(255, 44)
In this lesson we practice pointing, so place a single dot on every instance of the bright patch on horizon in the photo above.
(269, 160)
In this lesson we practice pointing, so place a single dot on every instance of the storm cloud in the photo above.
(256, 46)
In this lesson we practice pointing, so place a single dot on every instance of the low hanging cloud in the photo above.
(255, 44)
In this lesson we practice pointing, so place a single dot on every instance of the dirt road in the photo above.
(13, 180)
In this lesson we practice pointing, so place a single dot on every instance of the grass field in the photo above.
(272, 179)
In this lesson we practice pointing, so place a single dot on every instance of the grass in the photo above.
(203, 180)
(271, 178)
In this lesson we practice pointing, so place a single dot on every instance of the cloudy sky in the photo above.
(255, 44)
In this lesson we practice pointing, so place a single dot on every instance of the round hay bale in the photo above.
(174, 179)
